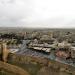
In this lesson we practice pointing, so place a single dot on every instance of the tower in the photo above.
(5, 52)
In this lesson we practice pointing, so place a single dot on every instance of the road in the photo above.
(24, 51)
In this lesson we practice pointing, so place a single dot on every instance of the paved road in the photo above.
(23, 50)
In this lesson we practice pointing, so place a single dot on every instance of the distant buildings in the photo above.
(62, 54)
(64, 44)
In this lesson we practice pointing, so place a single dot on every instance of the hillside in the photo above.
(40, 66)
(8, 69)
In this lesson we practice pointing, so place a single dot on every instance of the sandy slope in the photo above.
(12, 69)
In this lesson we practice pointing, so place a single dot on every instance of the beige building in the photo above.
(64, 44)
(73, 52)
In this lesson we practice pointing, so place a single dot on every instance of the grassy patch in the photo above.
(5, 73)
(29, 67)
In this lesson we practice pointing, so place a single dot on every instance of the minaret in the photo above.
(5, 52)
(51, 35)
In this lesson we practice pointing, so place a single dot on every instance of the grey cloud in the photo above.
(14, 13)
(33, 13)
(7, 1)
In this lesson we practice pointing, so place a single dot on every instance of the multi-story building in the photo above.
(73, 52)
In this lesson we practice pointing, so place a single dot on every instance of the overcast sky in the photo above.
(37, 13)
